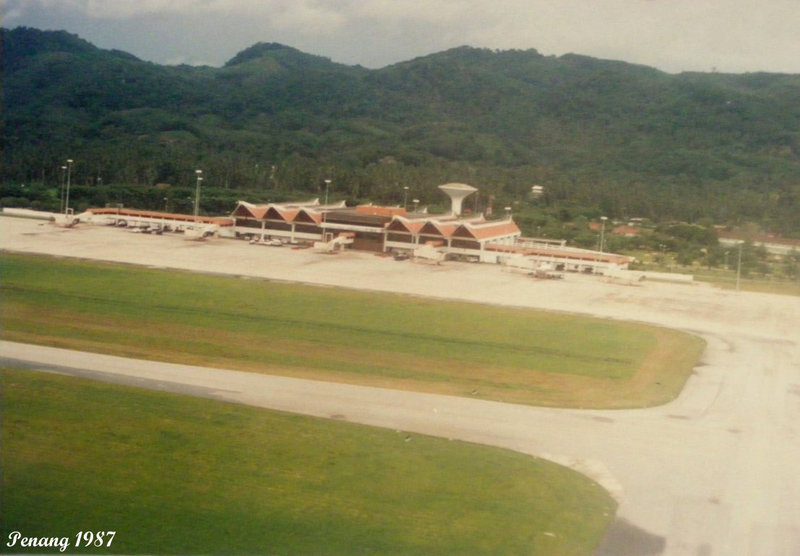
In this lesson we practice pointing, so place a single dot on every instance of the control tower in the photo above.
(457, 192)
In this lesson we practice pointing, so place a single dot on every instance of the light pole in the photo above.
(197, 192)
(405, 197)
(327, 184)
(602, 231)
(416, 204)
(63, 180)
(69, 175)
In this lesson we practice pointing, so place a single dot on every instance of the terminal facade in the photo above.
(418, 234)
(380, 229)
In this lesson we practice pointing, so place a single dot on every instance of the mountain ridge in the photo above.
(722, 146)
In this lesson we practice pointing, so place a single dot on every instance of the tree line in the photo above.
(274, 123)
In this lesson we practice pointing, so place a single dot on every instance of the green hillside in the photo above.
(601, 136)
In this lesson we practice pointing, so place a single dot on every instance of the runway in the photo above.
(714, 472)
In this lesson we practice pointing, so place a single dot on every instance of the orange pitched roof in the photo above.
(308, 216)
(277, 212)
(249, 210)
(380, 211)
(259, 212)
(432, 227)
(626, 230)
(487, 230)
(400, 224)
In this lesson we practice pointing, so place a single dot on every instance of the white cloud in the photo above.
(12, 14)
(441, 11)
(735, 35)
(116, 9)
(675, 35)
(307, 17)
(299, 10)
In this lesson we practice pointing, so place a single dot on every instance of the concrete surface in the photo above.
(717, 471)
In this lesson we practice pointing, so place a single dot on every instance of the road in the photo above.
(717, 471)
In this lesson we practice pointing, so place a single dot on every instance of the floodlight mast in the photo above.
(199, 174)
(602, 232)
(63, 181)
(69, 175)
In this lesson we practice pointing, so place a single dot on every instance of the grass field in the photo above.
(393, 341)
(173, 474)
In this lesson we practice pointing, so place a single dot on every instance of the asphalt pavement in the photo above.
(717, 471)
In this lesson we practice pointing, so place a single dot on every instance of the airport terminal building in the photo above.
(380, 229)
(373, 228)
(396, 231)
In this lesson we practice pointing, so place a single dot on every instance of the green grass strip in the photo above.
(178, 475)
(329, 333)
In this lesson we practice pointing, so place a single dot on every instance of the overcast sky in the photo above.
(672, 35)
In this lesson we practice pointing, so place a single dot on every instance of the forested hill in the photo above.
(608, 136)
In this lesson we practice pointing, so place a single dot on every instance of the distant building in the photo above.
(774, 244)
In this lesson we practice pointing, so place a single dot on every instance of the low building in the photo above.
(147, 219)
(561, 258)
(395, 230)
(380, 229)
(774, 245)
(373, 228)
(292, 222)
